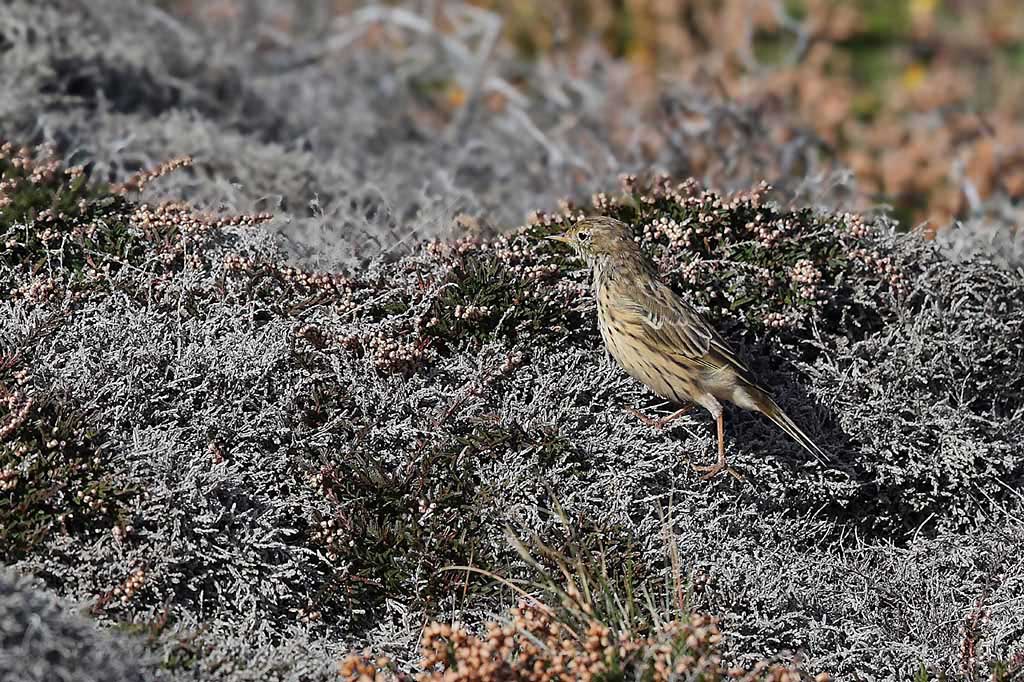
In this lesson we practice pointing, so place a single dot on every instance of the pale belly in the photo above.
(666, 379)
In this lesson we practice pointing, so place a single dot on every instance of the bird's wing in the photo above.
(676, 328)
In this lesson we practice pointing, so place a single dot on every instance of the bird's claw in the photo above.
(647, 421)
(659, 423)
(712, 470)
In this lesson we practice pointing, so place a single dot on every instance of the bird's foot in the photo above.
(712, 470)
(661, 422)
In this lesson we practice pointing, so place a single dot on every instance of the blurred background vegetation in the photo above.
(922, 99)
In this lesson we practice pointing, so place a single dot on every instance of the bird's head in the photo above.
(600, 238)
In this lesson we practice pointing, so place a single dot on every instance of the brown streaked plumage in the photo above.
(663, 342)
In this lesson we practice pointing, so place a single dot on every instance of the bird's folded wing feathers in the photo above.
(676, 328)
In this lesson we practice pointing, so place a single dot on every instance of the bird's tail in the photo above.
(770, 409)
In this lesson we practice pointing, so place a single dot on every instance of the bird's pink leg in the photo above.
(718, 467)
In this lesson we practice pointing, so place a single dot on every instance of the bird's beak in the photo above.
(559, 238)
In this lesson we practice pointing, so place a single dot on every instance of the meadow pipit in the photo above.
(663, 342)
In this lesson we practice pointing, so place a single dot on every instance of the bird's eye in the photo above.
(583, 236)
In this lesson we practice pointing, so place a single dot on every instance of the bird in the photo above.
(662, 341)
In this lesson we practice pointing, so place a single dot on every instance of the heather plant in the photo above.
(342, 437)
(65, 234)
(54, 475)
(587, 619)
(751, 265)
(302, 449)
(50, 215)
(895, 89)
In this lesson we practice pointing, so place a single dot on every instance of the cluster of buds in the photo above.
(519, 255)
(424, 323)
(313, 334)
(122, 531)
(687, 194)
(44, 170)
(388, 354)
(240, 264)
(537, 647)
(128, 589)
(543, 218)
(567, 215)
(678, 234)
(16, 405)
(140, 180)
(806, 277)
(536, 272)
(39, 289)
(689, 272)
(89, 500)
(40, 164)
(855, 224)
(508, 366)
(331, 535)
(566, 292)
(601, 201)
(450, 653)
(304, 280)
(8, 480)
(454, 247)
(472, 313)
(311, 280)
(84, 230)
(512, 249)
(211, 221)
(363, 668)
(769, 232)
(754, 197)
(777, 320)
(883, 266)
(394, 355)
(660, 187)
(170, 216)
(49, 234)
